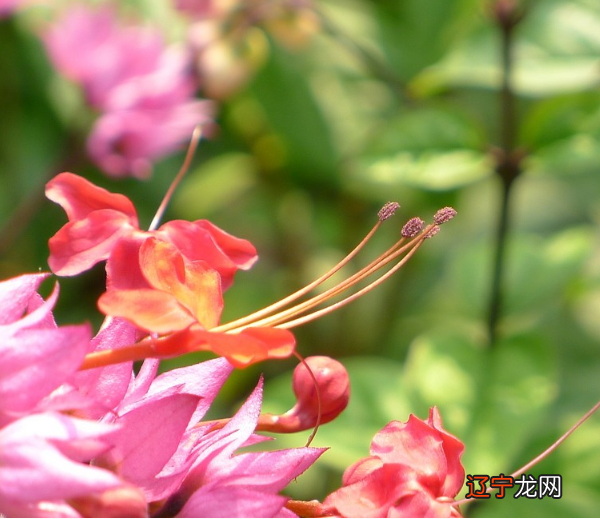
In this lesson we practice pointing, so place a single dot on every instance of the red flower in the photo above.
(168, 282)
(184, 299)
(411, 465)
(104, 226)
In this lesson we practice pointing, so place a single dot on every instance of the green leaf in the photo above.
(520, 384)
(443, 369)
(556, 51)
(433, 148)
(293, 114)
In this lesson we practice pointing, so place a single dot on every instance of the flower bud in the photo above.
(334, 389)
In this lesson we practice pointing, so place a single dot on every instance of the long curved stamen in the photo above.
(315, 315)
(384, 259)
(196, 135)
(319, 400)
(386, 212)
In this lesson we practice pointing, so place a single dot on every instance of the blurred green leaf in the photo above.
(443, 368)
(284, 93)
(519, 385)
(556, 52)
(215, 184)
(434, 148)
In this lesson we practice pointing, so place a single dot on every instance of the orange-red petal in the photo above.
(195, 285)
(80, 244)
(249, 346)
(79, 197)
(150, 310)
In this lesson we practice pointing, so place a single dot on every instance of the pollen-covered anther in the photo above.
(432, 232)
(443, 215)
(388, 210)
(413, 227)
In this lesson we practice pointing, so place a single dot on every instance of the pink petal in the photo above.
(24, 360)
(123, 266)
(39, 316)
(149, 435)
(453, 449)
(36, 464)
(148, 309)
(420, 504)
(33, 470)
(374, 495)
(107, 386)
(77, 438)
(204, 379)
(230, 501)
(126, 142)
(249, 346)
(15, 295)
(268, 471)
(195, 285)
(223, 443)
(138, 387)
(415, 444)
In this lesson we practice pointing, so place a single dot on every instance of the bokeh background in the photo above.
(327, 110)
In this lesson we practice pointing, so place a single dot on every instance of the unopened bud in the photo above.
(443, 215)
(334, 389)
(388, 210)
(412, 227)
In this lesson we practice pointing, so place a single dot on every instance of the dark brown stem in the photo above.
(508, 158)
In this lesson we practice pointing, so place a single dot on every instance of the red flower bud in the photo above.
(334, 390)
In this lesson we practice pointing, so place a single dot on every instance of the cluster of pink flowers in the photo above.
(104, 442)
(143, 89)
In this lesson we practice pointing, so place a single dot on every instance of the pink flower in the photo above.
(156, 418)
(197, 8)
(221, 483)
(144, 90)
(411, 465)
(128, 141)
(7, 7)
(30, 342)
(42, 464)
